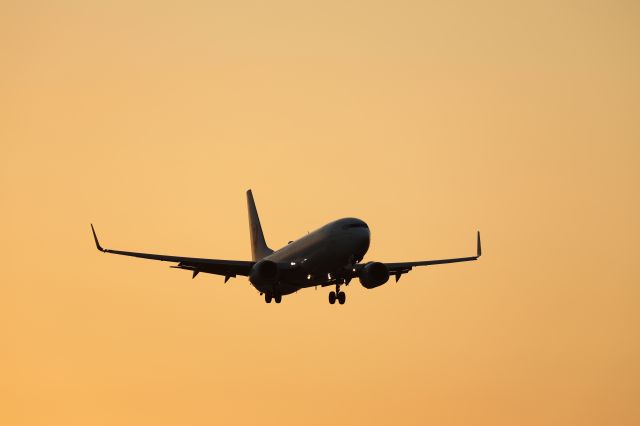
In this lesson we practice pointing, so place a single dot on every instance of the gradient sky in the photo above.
(428, 120)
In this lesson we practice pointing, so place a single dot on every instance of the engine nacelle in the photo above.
(264, 272)
(373, 275)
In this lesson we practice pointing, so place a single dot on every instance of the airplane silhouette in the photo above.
(328, 256)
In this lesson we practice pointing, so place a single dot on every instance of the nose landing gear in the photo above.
(268, 297)
(338, 295)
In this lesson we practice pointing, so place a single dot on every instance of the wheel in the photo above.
(277, 298)
(342, 297)
(267, 298)
(332, 297)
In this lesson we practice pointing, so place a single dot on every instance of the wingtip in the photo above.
(479, 248)
(95, 237)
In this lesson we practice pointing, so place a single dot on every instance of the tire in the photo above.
(342, 297)
(267, 298)
(332, 297)
(278, 298)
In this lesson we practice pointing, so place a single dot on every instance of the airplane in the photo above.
(328, 256)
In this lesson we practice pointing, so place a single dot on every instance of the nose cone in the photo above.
(354, 234)
(363, 244)
(361, 239)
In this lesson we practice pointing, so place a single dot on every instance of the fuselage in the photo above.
(320, 256)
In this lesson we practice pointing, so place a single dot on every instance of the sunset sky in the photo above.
(428, 120)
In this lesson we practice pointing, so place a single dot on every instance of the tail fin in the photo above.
(259, 247)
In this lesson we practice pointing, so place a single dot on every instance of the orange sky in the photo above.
(428, 121)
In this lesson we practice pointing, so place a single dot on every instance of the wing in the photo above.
(227, 268)
(400, 268)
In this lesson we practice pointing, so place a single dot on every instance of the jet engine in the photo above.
(264, 272)
(373, 275)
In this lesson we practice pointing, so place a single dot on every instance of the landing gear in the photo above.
(268, 297)
(338, 295)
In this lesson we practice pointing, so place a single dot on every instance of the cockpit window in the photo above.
(356, 225)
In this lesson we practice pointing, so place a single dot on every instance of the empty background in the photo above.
(429, 120)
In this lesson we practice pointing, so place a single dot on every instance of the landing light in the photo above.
(309, 276)
(293, 263)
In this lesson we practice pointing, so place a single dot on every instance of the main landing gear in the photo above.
(338, 295)
(268, 297)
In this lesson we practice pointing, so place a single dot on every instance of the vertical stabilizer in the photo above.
(259, 247)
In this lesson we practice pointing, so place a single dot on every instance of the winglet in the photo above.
(95, 237)
(479, 246)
